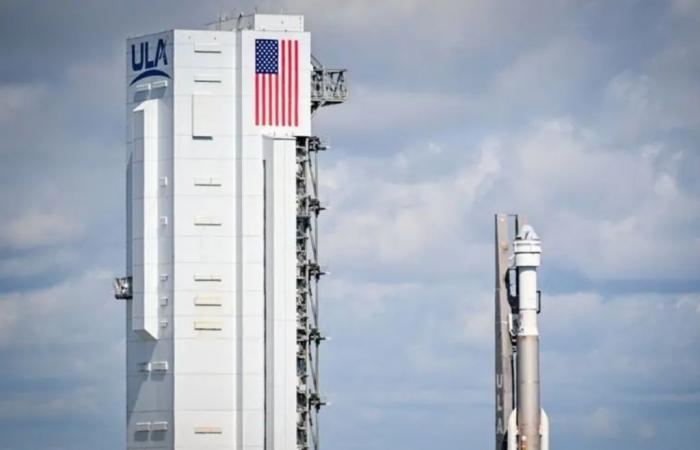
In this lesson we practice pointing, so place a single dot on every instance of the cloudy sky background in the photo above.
(585, 115)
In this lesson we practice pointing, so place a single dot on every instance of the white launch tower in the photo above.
(222, 315)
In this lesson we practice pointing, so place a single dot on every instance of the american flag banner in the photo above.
(277, 82)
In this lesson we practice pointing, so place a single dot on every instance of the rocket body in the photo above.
(527, 251)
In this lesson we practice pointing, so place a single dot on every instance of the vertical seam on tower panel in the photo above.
(264, 318)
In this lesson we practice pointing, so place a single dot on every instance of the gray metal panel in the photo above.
(529, 392)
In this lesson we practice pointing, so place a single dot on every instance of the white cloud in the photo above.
(374, 110)
(636, 343)
(541, 78)
(76, 402)
(381, 220)
(686, 8)
(602, 422)
(58, 174)
(660, 97)
(62, 350)
(46, 262)
(646, 431)
(8, 319)
(367, 300)
(659, 92)
(39, 228)
(16, 99)
(609, 213)
(604, 212)
(371, 17)
(436, 30)
(69, 313)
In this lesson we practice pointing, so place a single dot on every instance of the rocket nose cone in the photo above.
(528, 233)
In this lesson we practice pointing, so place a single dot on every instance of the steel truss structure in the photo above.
(327, 88)
(505, 341)
(308, 274)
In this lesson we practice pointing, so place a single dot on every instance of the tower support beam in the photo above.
(309, 273)
(504, 348)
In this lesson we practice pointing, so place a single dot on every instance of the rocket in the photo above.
(528, 425)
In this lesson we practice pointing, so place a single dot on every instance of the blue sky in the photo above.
(584, 115)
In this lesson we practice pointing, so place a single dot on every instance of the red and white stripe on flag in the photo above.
(277, 82)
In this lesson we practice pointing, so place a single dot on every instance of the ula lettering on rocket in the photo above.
(141, 59)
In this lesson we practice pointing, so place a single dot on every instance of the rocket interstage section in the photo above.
(221, 282)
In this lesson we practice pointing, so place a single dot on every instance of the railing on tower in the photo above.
(328, 86)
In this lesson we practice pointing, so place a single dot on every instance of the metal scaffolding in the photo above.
(505, 342)
(327, 88)
(308, 274)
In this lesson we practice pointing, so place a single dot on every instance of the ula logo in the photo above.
(140, 59)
